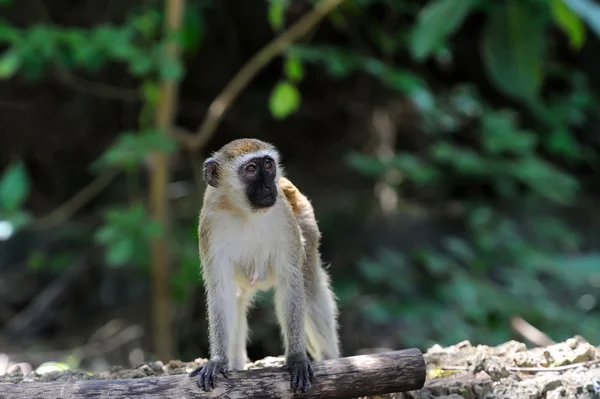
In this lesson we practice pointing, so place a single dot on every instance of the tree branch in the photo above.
(224, 100)
(67, 209)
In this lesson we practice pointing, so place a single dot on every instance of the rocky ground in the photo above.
(570, 369)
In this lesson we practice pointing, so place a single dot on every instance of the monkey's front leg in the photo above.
(222, 313)
(290, 299)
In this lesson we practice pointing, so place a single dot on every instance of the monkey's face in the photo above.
(258, 177)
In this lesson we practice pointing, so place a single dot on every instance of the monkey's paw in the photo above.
(301, 371)
(207, 374)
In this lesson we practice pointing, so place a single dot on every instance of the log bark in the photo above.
(349, 377)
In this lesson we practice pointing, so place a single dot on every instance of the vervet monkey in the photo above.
(257, 230)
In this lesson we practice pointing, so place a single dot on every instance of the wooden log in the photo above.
(349, 377)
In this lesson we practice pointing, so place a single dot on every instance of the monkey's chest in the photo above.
(252, 251)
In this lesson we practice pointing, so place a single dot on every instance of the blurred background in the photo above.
(449, 147)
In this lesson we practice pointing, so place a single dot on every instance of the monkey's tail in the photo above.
(321, 322)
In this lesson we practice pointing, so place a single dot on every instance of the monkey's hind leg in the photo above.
(321, 324)
(239, 356)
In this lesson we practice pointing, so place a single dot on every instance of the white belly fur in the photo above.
(251, 246)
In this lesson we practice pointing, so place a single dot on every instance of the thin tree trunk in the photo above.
(161, 295)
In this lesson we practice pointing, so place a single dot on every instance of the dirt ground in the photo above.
(569, 369)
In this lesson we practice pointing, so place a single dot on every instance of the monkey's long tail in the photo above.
(321, 322)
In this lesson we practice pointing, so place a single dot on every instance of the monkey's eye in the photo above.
(268, 164)
(251, 168)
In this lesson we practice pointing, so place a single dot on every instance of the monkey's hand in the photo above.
(207, 373)
(302, 372)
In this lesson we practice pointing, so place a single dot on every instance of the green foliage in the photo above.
(136, 44)
(285, 99)
(276, 14)
(513, 46)
(9, 64)
(131, 149)
(125, 235)
(482, 279)
(14, 190)
(435, 23)
(342, 63)
(293, 69)
(14, 187)
(57, 262)
(569, 23)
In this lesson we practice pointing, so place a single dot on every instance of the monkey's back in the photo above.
(305, 217)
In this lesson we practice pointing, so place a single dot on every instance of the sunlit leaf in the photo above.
(9, 64)
(276, 14)
(284, 100)
(569, 22)
(120, 252)
(293, 69)
(513, 46)
(435, 22)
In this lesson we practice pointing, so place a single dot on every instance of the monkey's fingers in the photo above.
(311, 373)
(196, 371)
(207, 379)
(294, 380)
(212, 378)
(300, 381)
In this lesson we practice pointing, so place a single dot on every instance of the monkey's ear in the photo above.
(211, 171)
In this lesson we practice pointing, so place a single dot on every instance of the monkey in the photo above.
(256, 230)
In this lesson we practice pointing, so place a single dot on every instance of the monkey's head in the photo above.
(246, 170)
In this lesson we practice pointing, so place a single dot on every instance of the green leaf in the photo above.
(106, 234)
(285, 99)
(193, 30)
(130, 149)
(562, 142)
(513, 47)
(151, 92)
(500, 134)
(276, 14)
(460, 248)
(588, 11)
(569, 23)
(435, 22)
(120, 252)
(9, 64)
(293, 69)
(14, 187)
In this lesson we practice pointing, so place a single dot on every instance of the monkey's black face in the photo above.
(259, 176)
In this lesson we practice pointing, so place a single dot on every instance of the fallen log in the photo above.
(349, 377)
